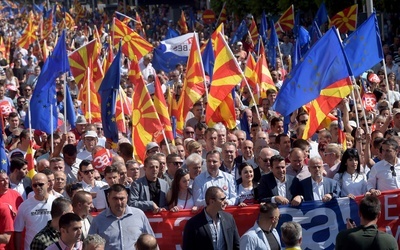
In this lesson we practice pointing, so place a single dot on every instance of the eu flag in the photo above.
(315, 33)
(69, 107)
(273, 42)
(241, 31)
(108, 91)
(171, 33)
(208, 59)
(44, 94)
(363, 47)
(264, 27)
(324, 64)
(322, 15)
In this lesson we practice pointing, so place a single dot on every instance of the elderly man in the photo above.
(316, 187)
(292, 235)
(119, 224)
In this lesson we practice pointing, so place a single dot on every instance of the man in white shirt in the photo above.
(90, 141)
(34, 213)
(385, 174)
(89, 184)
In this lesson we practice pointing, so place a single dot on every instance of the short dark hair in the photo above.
(80, 197)
(110, 169)
(211, 193)
(171, 156)
(47, 172)
(150, 158)
(84, 163)
(59, 207)
(213, 152)
(268, 208)
(278, 138)
(210, 131)
(69, 149)
(391, 142)
(17, 163)
(370, 207)
(277, 158)
(67, 219)
(125, 149)
(117, 188)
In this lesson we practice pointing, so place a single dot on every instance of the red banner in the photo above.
(168, 227)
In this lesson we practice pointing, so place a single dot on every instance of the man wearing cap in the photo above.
(396, 120)
(90, 142)
(241, 55)
(79, 130)
(152, 148)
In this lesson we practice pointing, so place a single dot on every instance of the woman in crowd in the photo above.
(246, 189)
(180, 195)
(351, 181)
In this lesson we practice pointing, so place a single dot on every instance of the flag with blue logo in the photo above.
(172, 51)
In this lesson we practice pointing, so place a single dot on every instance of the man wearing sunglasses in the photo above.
(89, 184)
(34, 213)
(384, 174)
(212, 228)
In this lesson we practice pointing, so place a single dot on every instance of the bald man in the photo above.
(263, 160)
(297, 167)
(34, 213)
(146, 242)
(42, 164)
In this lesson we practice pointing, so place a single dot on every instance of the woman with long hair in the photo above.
(246, 189)
(180, 195)
(351, 180)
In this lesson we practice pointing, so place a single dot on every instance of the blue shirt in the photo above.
(121, 233)
(223, 180)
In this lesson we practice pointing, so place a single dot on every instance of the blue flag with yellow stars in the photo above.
(363, 47)
(324, 65)
(208, 59)
(43, 103)
(108, 91)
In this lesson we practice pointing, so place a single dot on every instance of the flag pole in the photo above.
(88, 92)
(201, 63)
(364, 116)
(132, 19)
(166, 141)
(51, 125)
(122, 106)
(219, 17)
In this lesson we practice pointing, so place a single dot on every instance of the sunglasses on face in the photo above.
(35, 185)
(86, 172)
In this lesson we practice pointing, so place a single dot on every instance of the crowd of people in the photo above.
(88, 195)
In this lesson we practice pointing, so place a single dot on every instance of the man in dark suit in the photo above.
(276, 186)
(149, 192)
(212, 228)
(316, 187)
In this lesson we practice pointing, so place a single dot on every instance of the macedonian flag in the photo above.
(132, 43)
(345, 20)
(145, 120)
(29, 36)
